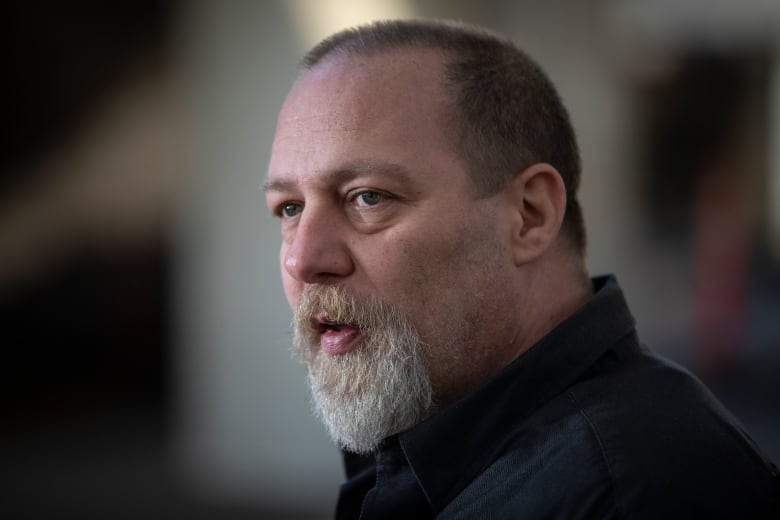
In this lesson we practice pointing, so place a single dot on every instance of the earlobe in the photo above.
(538, 200)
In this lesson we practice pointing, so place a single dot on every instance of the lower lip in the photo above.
(335, 342)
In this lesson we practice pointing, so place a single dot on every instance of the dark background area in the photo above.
(85, 379)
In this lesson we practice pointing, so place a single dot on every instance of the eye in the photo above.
(369, 198)
(290, 209)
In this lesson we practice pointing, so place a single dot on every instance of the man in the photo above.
(425, 178)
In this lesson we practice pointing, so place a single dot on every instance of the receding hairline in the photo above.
(450, 43)
(448, 36)
(440, 58)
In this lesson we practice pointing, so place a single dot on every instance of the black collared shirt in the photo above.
(586, 424)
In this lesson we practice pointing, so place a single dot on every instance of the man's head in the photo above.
(397, 200)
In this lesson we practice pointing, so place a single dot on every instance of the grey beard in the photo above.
(380, 388)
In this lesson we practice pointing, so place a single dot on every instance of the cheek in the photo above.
(452, 277)
(417, 273)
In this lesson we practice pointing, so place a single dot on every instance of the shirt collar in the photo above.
(449, 449)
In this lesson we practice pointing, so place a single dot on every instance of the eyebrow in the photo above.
(353, 170)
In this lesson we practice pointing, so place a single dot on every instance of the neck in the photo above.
(553, 288)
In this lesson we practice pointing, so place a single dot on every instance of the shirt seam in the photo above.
(402, 445)
(602, 449)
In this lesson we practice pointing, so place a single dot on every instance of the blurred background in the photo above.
(147, 372)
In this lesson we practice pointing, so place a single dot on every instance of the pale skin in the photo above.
(372, 196)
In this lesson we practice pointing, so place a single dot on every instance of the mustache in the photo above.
(336, 305)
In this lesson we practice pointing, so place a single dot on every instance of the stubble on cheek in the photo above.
(460, 297)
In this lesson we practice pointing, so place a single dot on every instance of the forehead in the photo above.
(390, 107)
(396, 77)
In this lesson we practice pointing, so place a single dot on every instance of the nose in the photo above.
(318, 252)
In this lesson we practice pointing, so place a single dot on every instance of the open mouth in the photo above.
(323, 326)
(336, 338)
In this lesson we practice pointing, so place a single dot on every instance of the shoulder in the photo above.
(550, 467)
(642, 439)
(670, 446)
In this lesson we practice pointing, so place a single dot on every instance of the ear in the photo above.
(537, 198)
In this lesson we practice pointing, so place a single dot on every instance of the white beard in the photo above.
(380, 388)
